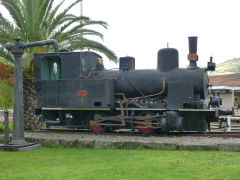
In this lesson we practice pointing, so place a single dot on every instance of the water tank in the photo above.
(167, 59)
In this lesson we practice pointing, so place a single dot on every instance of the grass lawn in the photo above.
(73, 163)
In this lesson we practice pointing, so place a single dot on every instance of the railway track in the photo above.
(129, 133)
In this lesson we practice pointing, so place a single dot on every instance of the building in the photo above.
(228, 86)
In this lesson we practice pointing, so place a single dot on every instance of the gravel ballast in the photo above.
(185, 140)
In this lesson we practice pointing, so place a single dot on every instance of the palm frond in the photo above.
(6, 55)
(90, 22)
(53, 12)
(75, 33)
(86, 43)
(82, 32)
(15, 11)
(43, 10)
(58, 19)
(28, 15)
(49, 8)
(77, 30)
(5, 24)
(38, 20)
(69, 23)
(5, 37)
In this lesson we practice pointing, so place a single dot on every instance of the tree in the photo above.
(35, 20)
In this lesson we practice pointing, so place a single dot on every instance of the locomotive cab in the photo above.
(66, 65)
(64, 81)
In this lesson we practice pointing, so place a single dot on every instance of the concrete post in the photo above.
(232, 98)
(229, 124)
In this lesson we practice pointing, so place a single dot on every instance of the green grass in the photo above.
(228, 67)
(6, 95)
(2, 128)
(73, 163)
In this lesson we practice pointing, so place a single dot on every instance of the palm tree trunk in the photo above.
(29, 95)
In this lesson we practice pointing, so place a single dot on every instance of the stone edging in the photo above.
(133, 145)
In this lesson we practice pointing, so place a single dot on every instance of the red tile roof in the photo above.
(232, 80)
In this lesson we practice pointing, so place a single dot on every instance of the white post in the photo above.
(229, 124)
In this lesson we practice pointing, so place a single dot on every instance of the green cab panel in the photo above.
(51, 68)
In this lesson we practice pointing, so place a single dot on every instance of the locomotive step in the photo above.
(51, 122)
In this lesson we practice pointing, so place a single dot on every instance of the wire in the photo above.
(151, 95)
(139, 91)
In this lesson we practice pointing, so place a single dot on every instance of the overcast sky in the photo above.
(140, 28)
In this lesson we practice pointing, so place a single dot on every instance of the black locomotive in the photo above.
(74, 90)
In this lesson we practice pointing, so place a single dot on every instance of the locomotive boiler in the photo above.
(74, 90)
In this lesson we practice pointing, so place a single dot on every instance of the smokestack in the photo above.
(192, 56)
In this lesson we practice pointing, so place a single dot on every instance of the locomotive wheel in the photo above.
(145, 131)
(97, 129)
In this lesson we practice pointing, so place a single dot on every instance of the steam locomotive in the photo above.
(74, 90)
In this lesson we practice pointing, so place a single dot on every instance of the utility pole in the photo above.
(81, 8)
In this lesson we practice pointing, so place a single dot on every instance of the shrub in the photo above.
(6, 72)
(2, 128)
(6, 95)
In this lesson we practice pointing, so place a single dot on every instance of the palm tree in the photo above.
(35, 20)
